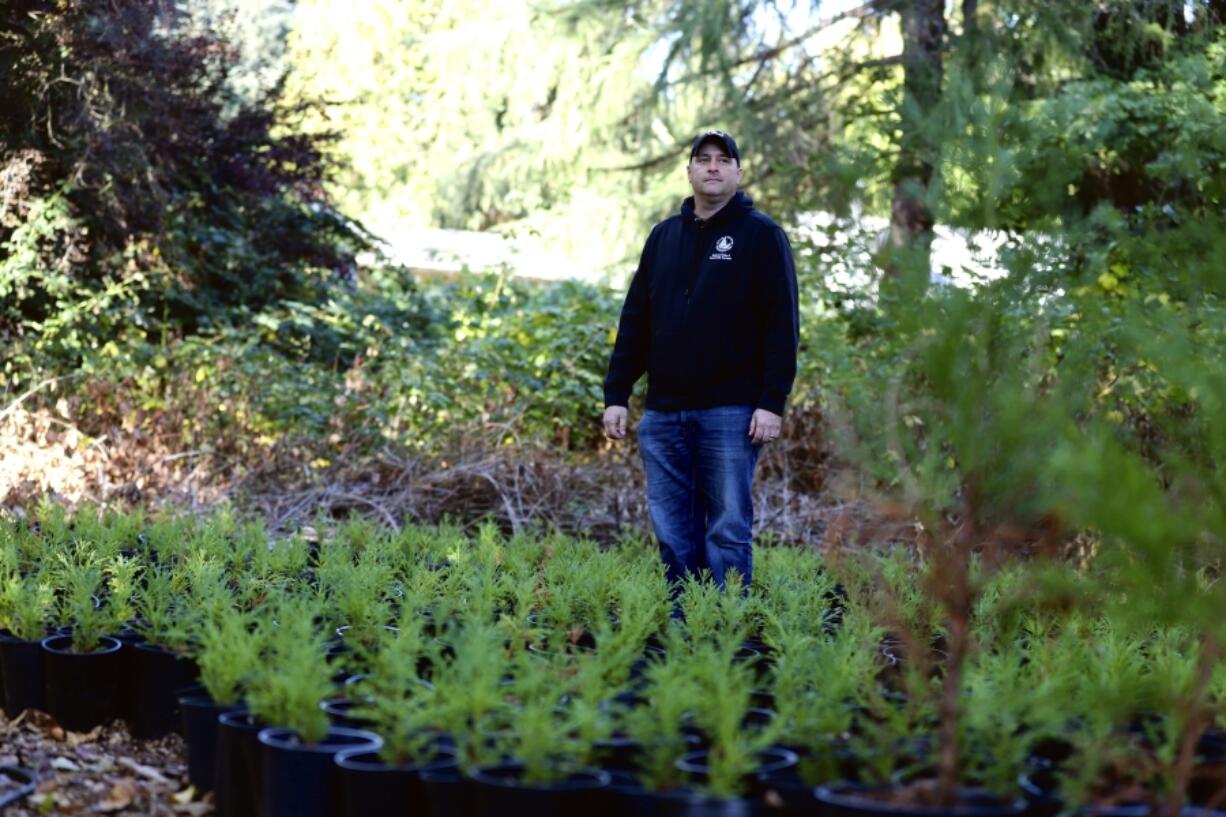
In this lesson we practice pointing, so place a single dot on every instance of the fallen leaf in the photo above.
(143, 770)
(75, 739)
(103, 764)
(120, 797)
(64, 765)
(43, 722)
(185, 796)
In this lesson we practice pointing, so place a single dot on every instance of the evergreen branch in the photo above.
(860, 12)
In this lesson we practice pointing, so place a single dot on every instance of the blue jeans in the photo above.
(699, 465)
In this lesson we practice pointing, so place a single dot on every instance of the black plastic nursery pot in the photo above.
(618, 753)
(198, 714)
(852, 800)
(1040, 790)
(370, 786)
(500, 791)
(772, 762)
(16, 784)
(1209, 773)
(345, 631)
(238, 785)
(21, 675)
(755, 718)
(159, 676)
(449, 792)
(301, 779)
(621, 753)
(82, 689)
(1140, 810)
(630, 799)
(129, 637)
(784, 790)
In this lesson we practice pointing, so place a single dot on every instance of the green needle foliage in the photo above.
(657, 725)
(406, 710)
(167, 618)
(509, 646)
(80, 605)
(293, 677)
(232, 653)
(26, 606)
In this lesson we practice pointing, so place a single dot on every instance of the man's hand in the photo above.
(763, 426)
(615, 422)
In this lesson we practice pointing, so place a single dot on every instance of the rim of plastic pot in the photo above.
(779, 759)
(344, 629)
(111, 645)
(1033, 789)
(148, 646)
(972, 802)
(763, 715)
(354, 679)
(505, 775)
(338, 737)
(239, 719)
(1143, 809)
(567, 649)
(343, 707)
(197, 689)
(130, 637)
(204, 699)
(628, 783)
(365, 759)
(617, 740)
(7, 637)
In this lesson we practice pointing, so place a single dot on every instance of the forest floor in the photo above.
(103, 771)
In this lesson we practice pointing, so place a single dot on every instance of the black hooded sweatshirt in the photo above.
(711, 314)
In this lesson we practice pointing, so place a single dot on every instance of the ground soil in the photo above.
(104, 771)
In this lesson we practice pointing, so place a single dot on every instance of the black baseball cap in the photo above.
(718, 136)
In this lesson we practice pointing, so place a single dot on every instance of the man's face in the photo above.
(713, 173)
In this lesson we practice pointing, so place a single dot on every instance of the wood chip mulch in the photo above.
(103, 771)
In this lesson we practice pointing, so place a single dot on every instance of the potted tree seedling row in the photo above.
(546, 673)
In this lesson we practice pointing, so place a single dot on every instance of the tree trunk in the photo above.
(911, 221)
(1214, 15)
(970, 17)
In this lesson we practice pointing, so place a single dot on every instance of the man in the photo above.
(711, 316)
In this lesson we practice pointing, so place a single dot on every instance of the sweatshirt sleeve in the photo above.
(781, 322)
(629, 358)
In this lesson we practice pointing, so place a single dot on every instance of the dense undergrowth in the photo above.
(207, 326)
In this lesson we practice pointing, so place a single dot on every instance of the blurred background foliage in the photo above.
(199, 203)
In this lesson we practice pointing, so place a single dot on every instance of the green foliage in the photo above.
(230, 654)
(657, 725)
(537, 648)
(80, 604)
(140, 211)
(293, 676)
(26, 606)
(518, 119)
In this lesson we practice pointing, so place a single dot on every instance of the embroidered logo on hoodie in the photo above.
(722, 246)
